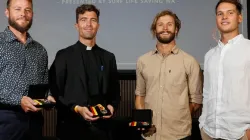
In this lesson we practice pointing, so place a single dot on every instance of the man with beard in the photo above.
(84, 75)
(226, 107)
(23, 62)
(168, 82)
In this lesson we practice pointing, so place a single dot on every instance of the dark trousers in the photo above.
(13, 125)
(17, 125)
(186, 138)
(83, 131)
(36, 126)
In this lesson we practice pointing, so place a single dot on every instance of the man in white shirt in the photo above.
(226, 92)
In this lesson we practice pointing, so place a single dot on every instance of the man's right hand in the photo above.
(149, 132)
(86, 114)
(28, 105)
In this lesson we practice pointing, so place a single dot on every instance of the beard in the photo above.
(18, 27)
(165, 40)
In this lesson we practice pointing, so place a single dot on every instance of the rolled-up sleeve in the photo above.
(195, 82)
(140, 82)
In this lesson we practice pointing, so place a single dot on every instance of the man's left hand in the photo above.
(111, 109)
(51, 99)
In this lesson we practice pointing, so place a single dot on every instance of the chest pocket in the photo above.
(177, 78)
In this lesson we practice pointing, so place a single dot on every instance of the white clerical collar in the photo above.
(89, 48)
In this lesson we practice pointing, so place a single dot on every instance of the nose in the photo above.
(88, 22)
(225, 16)
(165, 27)
(22, 12)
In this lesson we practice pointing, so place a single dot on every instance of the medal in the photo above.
(102, 109)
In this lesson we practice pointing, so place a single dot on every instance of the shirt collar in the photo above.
(174, 50)
(10, 36)
(87, 48)
(231, 41)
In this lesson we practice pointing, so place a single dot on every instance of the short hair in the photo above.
(87, 7)
(164, 13)
(9, 2)
(237, 4)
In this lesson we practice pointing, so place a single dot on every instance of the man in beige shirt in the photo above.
(168, 82)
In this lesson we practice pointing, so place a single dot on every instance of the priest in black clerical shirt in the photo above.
(81, 76)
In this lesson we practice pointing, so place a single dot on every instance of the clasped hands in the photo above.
(89, 116)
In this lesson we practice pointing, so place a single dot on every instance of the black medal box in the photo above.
(99, 110)
(142, 118)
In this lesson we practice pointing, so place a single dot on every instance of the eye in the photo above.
(83, 19)
(94, 20)
(28, 10)
(219, 14)
(159, 24)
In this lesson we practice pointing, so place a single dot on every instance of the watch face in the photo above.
(102, 109)
(145, 123)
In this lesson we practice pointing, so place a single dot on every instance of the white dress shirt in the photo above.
(226, 91)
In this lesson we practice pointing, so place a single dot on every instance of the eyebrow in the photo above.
(87, 18)
(21, 7)
(167, 23)
(226, 11)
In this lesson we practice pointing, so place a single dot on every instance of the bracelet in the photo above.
(75, 109)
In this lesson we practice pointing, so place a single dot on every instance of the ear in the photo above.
(154, 32)
(76, 26)
(98, 26)
(7, 13)
(176, 31)
(240, 18)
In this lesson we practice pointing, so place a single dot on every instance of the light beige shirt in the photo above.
(169, 84)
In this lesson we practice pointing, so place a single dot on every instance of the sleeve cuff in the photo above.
(197, 100)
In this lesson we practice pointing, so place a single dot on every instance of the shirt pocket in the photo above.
(178, 80)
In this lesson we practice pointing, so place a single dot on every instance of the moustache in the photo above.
(164, 32)
(23, 18)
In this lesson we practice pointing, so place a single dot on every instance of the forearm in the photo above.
(193, 107)
(10, 99)
(46, 81)
(140, 102)
(115, 97)
(69, 104)
(115, 85)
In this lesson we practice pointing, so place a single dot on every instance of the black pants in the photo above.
(17, 125)
(83, 131)
(36, 126)
(186, 138)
